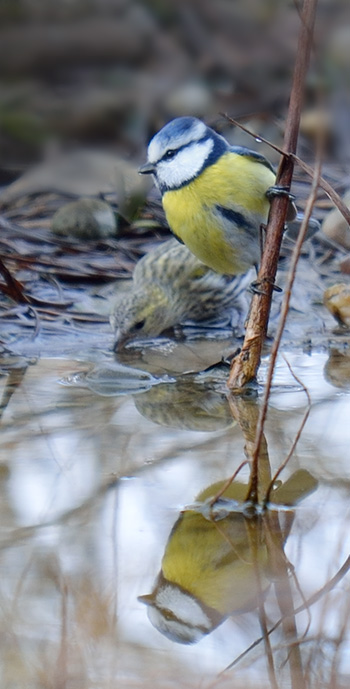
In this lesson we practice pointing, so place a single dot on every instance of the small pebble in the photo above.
(316, 122)
(337, 301)
(85, 219)
(335, 226)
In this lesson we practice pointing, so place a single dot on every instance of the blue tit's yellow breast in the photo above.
(236, 183)
(214, 565)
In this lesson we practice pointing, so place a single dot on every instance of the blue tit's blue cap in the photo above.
(181, 132)
(185, 128)
(182, 125)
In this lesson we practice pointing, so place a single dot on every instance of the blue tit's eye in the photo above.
(139, 325)
(169, 154)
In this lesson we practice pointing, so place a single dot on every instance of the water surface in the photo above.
(94, 476)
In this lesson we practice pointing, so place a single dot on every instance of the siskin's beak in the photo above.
(147, 169)
(120, 340)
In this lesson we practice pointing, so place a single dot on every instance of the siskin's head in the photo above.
(141, 313)
(181, 150)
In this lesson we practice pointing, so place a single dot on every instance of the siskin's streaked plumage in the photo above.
(215, 196)
(170, 286)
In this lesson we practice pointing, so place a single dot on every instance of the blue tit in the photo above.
(222, 565)
(208, 571)
(215, 196)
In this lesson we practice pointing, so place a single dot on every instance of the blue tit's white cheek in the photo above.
(178, 615)
(185, 165)
(182, 605)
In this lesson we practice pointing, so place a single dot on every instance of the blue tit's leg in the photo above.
(262, 230)
(278, 190)
(255, 286)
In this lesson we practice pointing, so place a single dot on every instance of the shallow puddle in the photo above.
(95, 471)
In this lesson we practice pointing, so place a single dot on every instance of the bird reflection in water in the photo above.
(219, 559)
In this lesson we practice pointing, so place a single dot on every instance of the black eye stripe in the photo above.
(172, 152)
(168, 155)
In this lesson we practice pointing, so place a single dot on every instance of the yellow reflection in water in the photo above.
(217, 561)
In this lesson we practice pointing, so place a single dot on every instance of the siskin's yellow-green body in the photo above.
(171, 286)
(235, 182)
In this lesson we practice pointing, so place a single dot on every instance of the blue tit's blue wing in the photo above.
(253, 155)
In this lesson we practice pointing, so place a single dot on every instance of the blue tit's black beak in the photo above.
(147, 169)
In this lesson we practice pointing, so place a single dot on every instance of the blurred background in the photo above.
(109, 73)
(92, 481)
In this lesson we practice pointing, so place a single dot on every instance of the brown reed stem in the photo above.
(245, 365)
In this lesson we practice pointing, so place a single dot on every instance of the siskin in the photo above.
(169, 287)
(215, 196)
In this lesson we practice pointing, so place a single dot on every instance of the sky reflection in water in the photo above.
(91, 489)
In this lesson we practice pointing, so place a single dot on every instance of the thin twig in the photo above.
(329, 586)
(254, 528)
(280, 568)
(296, 439)
(323, 184)
(257, 137)
(227, 484)
(327, 188)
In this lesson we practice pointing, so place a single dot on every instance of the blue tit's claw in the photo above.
(277, 288)
(255, 287)
(277, 190)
